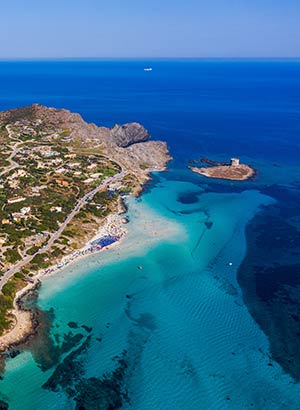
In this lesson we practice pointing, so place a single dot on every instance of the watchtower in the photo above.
(235, 162)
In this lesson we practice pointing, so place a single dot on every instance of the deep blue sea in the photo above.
(212, 321)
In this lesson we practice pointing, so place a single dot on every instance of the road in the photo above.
(13, 164)
(15, 150)
(79, 205)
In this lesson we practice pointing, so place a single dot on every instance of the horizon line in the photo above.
(37, 59)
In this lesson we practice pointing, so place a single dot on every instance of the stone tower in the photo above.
(235, 162)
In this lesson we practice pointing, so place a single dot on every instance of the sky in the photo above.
(149, 28)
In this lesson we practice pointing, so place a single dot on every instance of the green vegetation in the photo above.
(53, 174)
(12, 255)
(40, 261)
(32, 250)
(7, 296)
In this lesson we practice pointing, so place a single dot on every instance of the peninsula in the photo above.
(232, 170)
(62, 188)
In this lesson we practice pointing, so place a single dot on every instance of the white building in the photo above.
(25, 210)
(235, 162)
(56, 209)
(15, 200)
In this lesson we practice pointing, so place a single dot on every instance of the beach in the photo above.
(109, 234)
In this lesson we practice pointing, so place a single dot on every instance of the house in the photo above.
(15, 200)
(26, 210)
(21, 173)
(13, 184)
(55, 161)
(60, 170)
(45, 151)
(17, 216)
(56, 209)
(35, 190)
(73, 165)
(70, 156)
(48, 154)
(62, 182)
(92, 166)
(96, 175)
(18, 173)
(5, 221)
(88, 181)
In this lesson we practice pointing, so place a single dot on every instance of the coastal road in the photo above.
(15, 150)
(79, 205)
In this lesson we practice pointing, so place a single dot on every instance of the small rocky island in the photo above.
(233, 170)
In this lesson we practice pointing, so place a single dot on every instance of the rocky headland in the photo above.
(128, 143)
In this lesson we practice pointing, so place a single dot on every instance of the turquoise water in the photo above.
(202, 324)
(184, 318)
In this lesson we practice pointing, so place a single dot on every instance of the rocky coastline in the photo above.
(20, 333)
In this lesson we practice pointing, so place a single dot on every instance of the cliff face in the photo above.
(127, 144)
(128, 134)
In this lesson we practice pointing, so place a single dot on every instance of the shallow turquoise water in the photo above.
(184, 325)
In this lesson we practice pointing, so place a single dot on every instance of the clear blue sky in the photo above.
(155, 28)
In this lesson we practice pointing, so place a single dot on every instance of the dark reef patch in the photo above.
(147, 321)
(69, 371)
(3, 405)
(43, 348)
(188, 197)
(106, 393)
(89, 393)
(88, 329)
(270, 275)
(73, 325)
(46, 349)
(278, 282)
(70, 341)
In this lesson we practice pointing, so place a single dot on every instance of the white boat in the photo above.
(148, 69)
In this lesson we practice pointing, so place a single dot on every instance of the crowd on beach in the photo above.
(112, 232)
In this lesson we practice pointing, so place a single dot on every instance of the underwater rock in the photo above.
(87, 328)
(106, 393)
(69, 371)
(3, 405)
(73, 325)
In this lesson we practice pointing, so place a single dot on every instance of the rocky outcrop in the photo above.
(128, 134)
(122, 208)
(127, 144)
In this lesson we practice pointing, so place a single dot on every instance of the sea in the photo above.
(199, 306)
